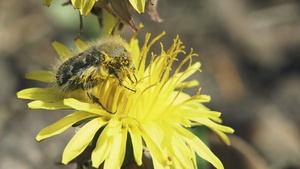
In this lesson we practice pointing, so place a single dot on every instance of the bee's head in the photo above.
(118, 60)
(115, 56)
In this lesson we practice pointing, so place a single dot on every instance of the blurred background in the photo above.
(250, 55)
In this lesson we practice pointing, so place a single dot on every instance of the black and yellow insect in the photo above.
(107, 57)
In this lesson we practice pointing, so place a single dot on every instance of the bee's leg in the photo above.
(133, 68)
(129, 77)
(135, 78)
(127, 87)
(95, 99)
(117, 76)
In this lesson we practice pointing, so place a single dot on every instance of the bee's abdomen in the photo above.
(69, 74)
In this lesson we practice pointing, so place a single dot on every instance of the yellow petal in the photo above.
(82, 139)
(47, 105)
(192, 113)
(62, 51)
(201, 149)
(183, 154)
(77, 3)
(63, 124)
(114, 126)
(144, 50)
(135, 50)
(44, 94)
(136, 139)
(189, 84)
(102, 149)
(138, 5)
(42, 75)
(78, 105)
(47, 2)
(183, 100)
(152, 141)
(188, 72)
(179, 151)
(86, 7)
(109, 21)
(170, 144)
(81, 45)
(117, 153)
(222, 136)
(212, 124)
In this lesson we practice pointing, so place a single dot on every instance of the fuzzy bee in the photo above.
(107, 57)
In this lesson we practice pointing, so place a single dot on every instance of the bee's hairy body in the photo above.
(88, 68)
(78, 71)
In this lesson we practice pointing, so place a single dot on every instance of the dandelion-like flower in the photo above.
(85, 6)
(118, 9)
(155, 118)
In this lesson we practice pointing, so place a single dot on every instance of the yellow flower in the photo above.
(117, 10)
(85, 6)
(155, 117)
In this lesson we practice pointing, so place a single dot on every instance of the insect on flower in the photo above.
(107, 57)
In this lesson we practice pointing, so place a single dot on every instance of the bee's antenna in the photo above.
(129, 77)
(117, 76)
(133, 68)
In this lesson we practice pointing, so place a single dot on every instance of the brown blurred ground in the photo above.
(250, 52)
